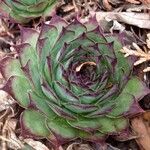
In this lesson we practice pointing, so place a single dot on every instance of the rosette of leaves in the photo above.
(22, 11)
(72, 82)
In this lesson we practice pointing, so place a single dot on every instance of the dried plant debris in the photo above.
(113, 4)
(79, 146)
(4, 45)
(80, 120)
(71, 8)
(89, 146)
(144, 56)
(145, 1)
(4, 29)
(8, 36)
(139, 1)
(141, 125)
(133, 1)
(120, 15)
(5, 101)
(140, 20)
(8, 138)
(37, 145)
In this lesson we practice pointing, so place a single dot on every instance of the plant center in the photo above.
(86, 72)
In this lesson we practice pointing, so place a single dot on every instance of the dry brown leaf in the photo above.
(138, 8)
(145, 1)
(148, 40)
(36, 144)
(143, 55)
(79, 146)
(1, 80)
(5, 101)
(2, 27)
(13, 141)
(141, 20)
(107, 5)
(117, 26)
(141, 125)
(2, 54)
(138, 1)
(133, 1)
(8, 138)
(78, 68)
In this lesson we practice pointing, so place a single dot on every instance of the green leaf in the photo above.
(96, 36)
(29, 36)
(80, 108)
(62, 129)
(133, 90)
(10, 66)
(18, 88)
(77, 27)
(4, 8)
(122, 104)
(65, 37)
(113, 125)
(91, 24)
(42, 104)
(136, 87)
(30, 62)
(34, 123)
(23, 11)
(26, 53)
(103, 124)
(64, 93)
(124, 65)
(94, 137)
(19, 19)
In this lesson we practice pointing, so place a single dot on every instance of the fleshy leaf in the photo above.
(133, 91)
(23, 11)
(62, 129)
(18, 88)
(29, 36)
(136, 87)
(10, 66)
(77, 27)
(80, 108)
(103, 124)
(64, 93)
(41, 103)
(33, 124)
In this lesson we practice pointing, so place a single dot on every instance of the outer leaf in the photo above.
(103, 124)
(136, 87)
(10, 66)
(41, 103)
(29, 36)
(62, 129)
(125, 101)
(18, 88)
(23, 12)
(33, 123)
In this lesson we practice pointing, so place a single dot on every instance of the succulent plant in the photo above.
(72, 82)
(22, 11)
